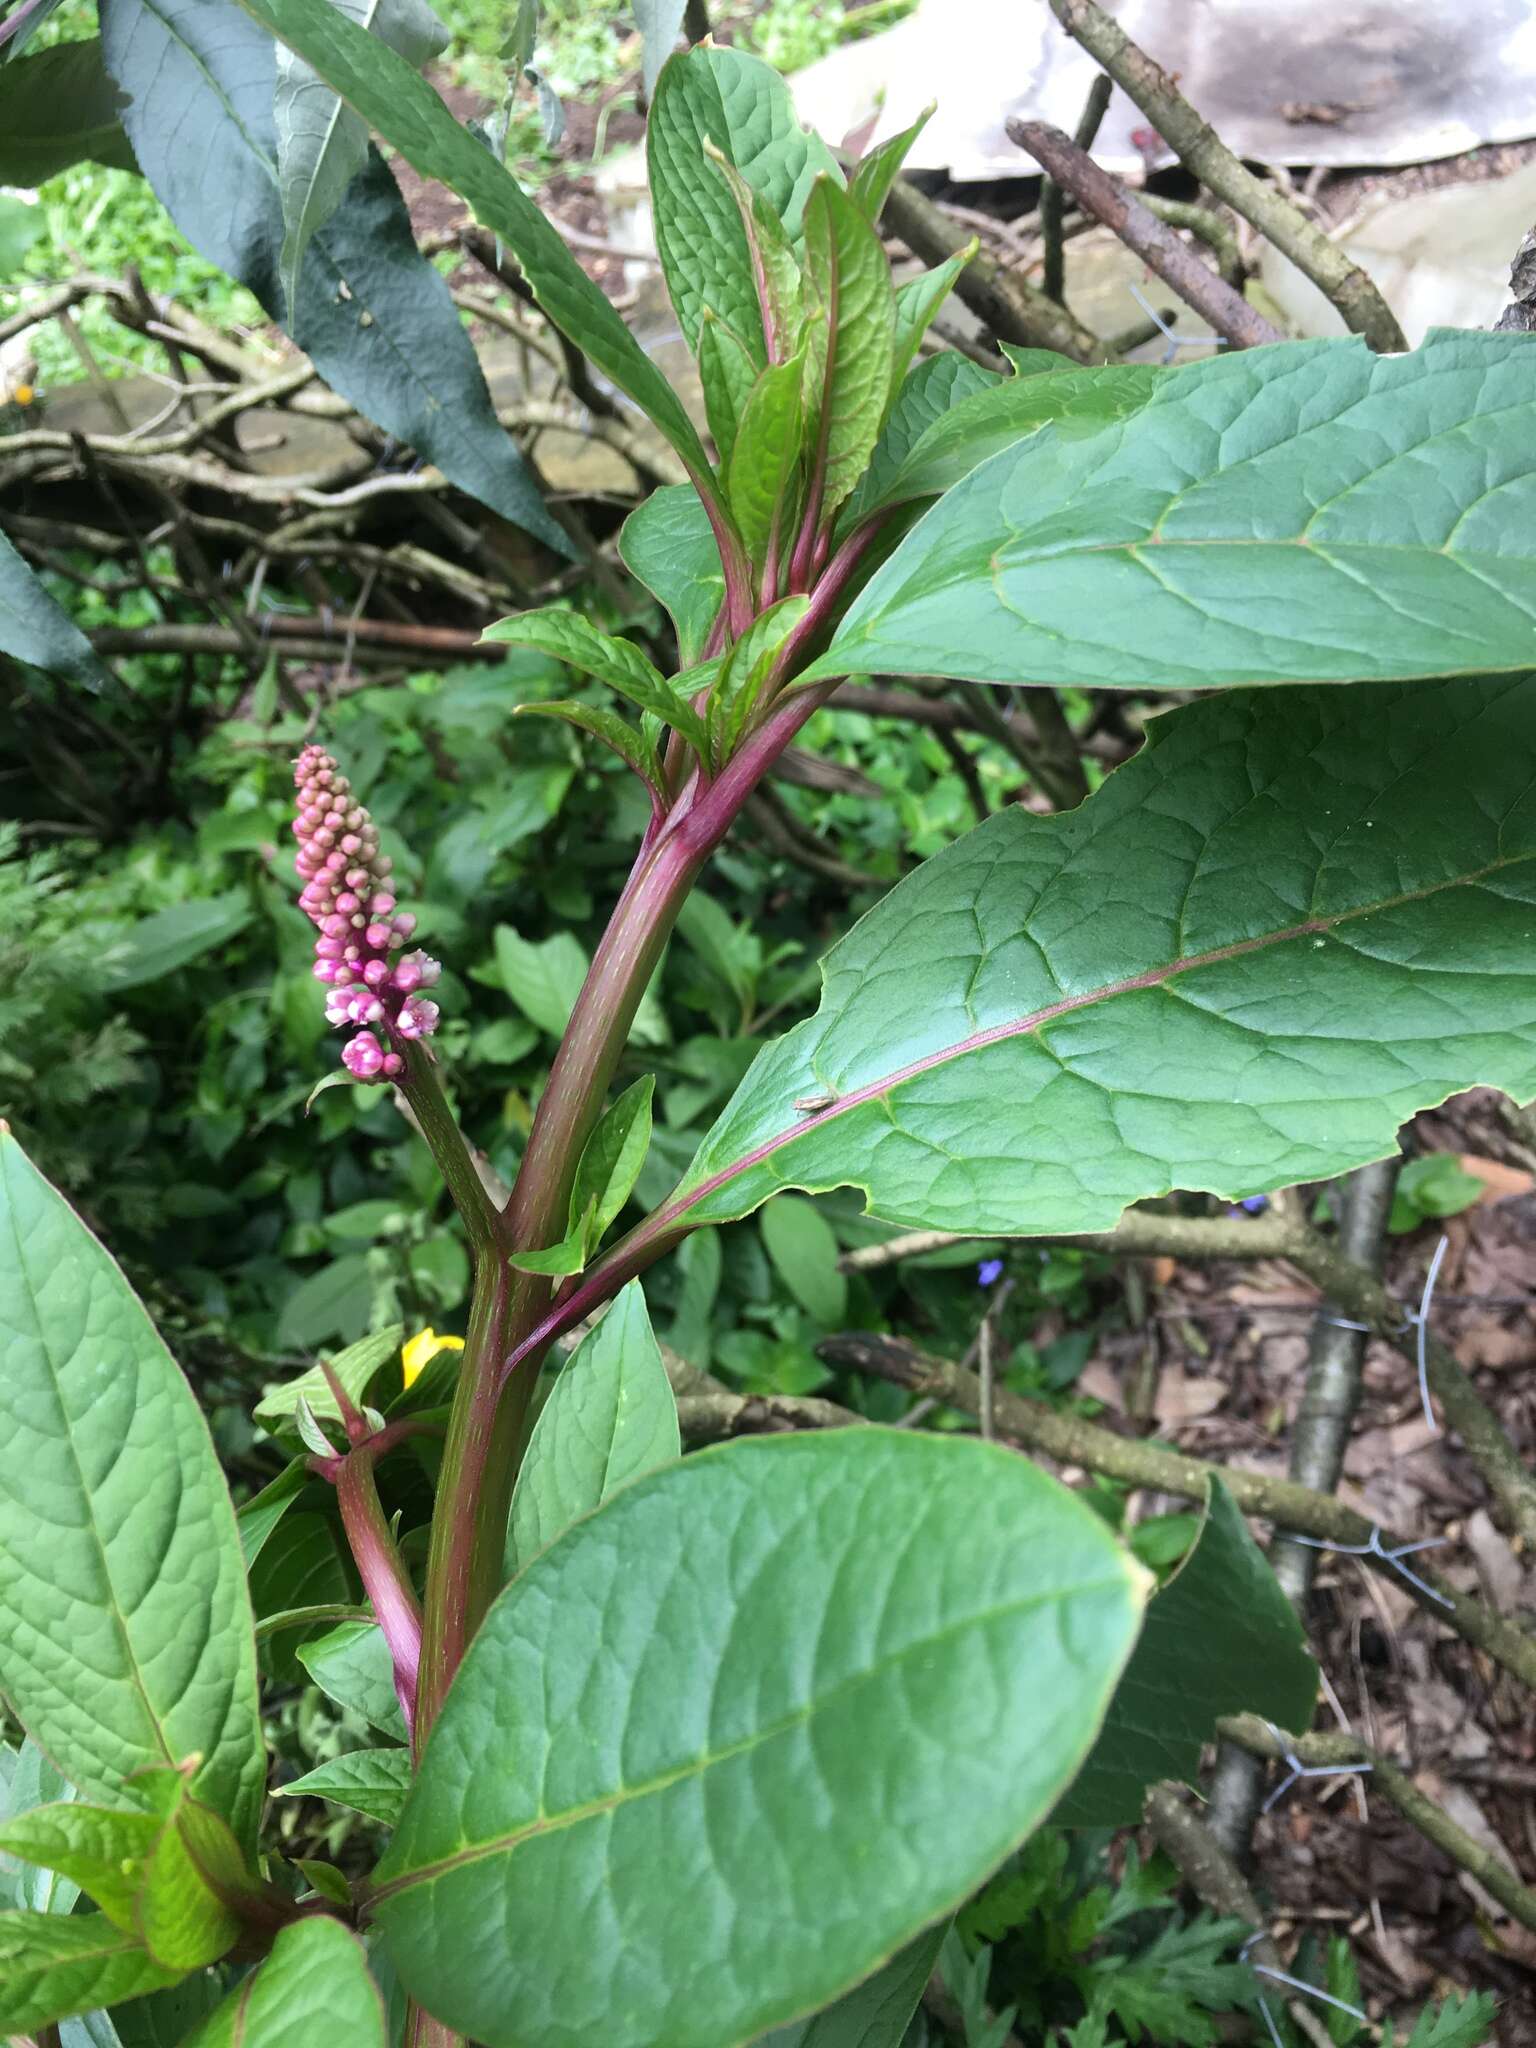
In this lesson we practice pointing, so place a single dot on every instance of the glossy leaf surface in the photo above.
(850, 334)
(1302, 513)
(610, 1417)
(352, 1665)
(370, 1781)
(313, 1987)
(1294, 919)
(123, 1610)
(679, 1732)
(668, 544)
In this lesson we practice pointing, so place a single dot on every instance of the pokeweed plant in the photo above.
(702, 1751)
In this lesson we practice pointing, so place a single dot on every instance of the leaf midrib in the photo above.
(627, 1795)
(673, 1211)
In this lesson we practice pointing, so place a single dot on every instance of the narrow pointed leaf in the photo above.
(612, 1158)
(1294, 919)
(357, 1367)
(849, 338)
(53, 1965)
(568, 637)
(874, 2014)
(123, 1607)
(918, 302)
(260, 1515)
(876, 173)
(370, 1781)
(631, 746)
(402, 107)
(775, 266)
(765, 462)
(727, 371)
(743, 107)
(1305, 513)
(314, 1987)
(610, 1418)
(32, 627)
(321, 143)
(916, 1594)
(352, 1666)
(746, 672)
(1220, 1638)
(668, 544)
(557, 1260)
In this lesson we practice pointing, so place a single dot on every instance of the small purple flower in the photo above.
(989, 1272)
(1253, 1205)
(348, 897)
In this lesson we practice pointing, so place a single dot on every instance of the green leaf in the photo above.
(804, 1249)
(659, 23)
(334, 1302)
(715, 1763)
(918, 303)
(357, 1367)
(876, 173)
(21, 225)
(1310, 512)
(261, 1514)
(321, 143)
(299, 1570)
(566, 636)
(172, 938)
(32, 627)
(559, 1260)
(632, 747)
(369, 1781)
(404, 109)
(764, 469)
(928, 391)
(1459, 2023)
(874, 2014)
(1435, 1184)
(850, 335)
(746, 674)
(610, 1417)
(743, 107)
(1220, 1638)
(611, 1160)
(1293, 920)
(34, 1782)
(668, 543)
(313, 1987)
(727, 371)
(374, 316)
(352, 1666)
(543, 978)
(775, 266)
(53, 1965)
(59, 108)
(123, 1607)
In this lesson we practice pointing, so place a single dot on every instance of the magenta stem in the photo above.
(379, 1564)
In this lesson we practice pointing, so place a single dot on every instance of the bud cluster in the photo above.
(348, 896)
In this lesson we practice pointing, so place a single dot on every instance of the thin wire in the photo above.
(1175, 341)
(1422, 1319)
(1311, 1990)
(1391, 1557)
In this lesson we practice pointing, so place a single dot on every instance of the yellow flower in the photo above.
(418, 1350)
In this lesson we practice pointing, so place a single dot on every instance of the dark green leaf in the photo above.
(668, 543)
(173, 938)
(1221, 1638)
(335, 1302)
(850, 335)
(55, 1964)
(352, 1666)
(709, 1765)
(32, 627)
(261, 1514)
(1294, 919)
(918, 303)
(612, 1158)
(543, 979)
(566, 636)
(59, 108)
(123, 1607)
(370, 1781)
(727, 371)
(313, 1988)
(372, 313)
(610, 1417)
(1310, 512)
(748, 669)
(632, 747)
(874, 2014)
(804, 1249)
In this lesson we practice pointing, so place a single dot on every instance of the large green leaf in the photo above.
(124, 1621)
(53, 1965)
(735, 1738)
(313, 1988)
(1310, 512)
(874, 2014)
(321, 143)
(398, 103)
(743, 107)
(610, 1418)
(32, 627)
(370, 1781)
(59, 108)
(1294, 919)
(668, 544)
(850, 334)
(374, 316)
(1221, 1638)
(928, 391)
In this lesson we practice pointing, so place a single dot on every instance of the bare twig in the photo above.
(1201, 151)
(1052, 274)
(1152, 239)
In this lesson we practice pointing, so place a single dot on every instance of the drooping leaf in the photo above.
(373, 315)
(566, 636)
(874, 2014)
(1294, 919)
(633, 748)
(174, 937)
(659, 23)
(765, 461)
(850, 334)
(667, 542)
(716, 1768)
(53, 1965)
(321, 143)
(1305, 513)
(356, 1367)
(352, 1666)
(876, 173)
(928, 391)
(917, 305)
(1220, 1638)
(610, 1417)
(59, 108)
(32, 627)
(402, 107)
(611, 1160)
(313, 1987)
(804, 1249)
(727, 371)
(743, 107)
(370, 1781)
(123, 1611)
